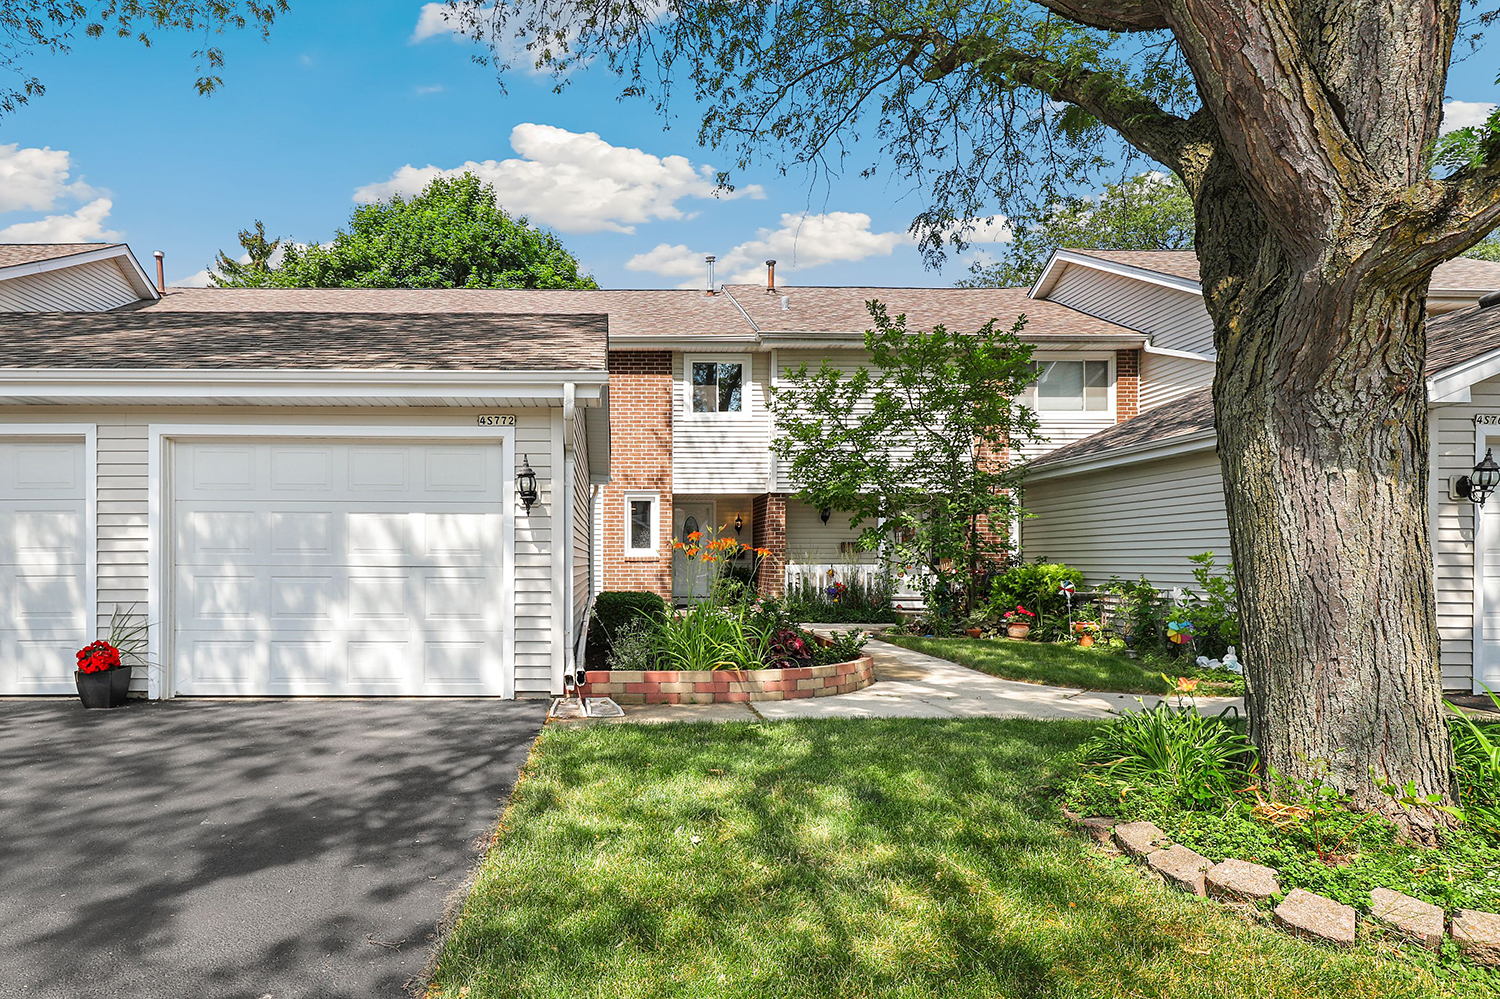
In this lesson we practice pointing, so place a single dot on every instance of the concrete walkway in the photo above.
(915, 685)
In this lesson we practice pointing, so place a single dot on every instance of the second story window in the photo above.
(1069, 387)
(718, 386)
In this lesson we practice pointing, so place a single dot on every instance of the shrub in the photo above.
(1035, 585)
(1195, 760)
(1211, 607)
(614, 608)
(634, 647)
(843, 647)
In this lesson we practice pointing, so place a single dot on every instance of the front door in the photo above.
(690, 582)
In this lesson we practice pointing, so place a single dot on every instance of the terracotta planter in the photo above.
(1085, 640)
(1018, 630)
(102, 690)
(973, 632)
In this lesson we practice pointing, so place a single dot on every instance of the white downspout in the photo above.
(569, 477)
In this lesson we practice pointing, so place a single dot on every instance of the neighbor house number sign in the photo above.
(492, 420)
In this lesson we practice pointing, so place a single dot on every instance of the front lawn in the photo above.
(912, 858)
(1059, 665)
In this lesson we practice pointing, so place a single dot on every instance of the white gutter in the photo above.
(1200, 440)
(120, 253)
(563, 538)
(126, 384)
(1186, 355)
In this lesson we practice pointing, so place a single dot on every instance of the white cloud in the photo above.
(575, 181)
(34, 179)
(1464, 114)
(85, 225)
(433, 21)
(799, 243)
(431, 88)
(199, 279)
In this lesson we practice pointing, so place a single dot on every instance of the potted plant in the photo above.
(975, 624)
(1018, 622)
(1086, 631)
(103, 673)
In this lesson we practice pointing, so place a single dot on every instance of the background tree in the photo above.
(1150, 211)
(452, 235)
(28, 27)
(1303, 134)
(914, 447)
(255, 270)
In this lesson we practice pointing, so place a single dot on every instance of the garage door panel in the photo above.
(44, 616)
(347, 568)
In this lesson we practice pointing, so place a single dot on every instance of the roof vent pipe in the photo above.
(709, 260)
(770, 277)
(161, 272)
(1493, 298)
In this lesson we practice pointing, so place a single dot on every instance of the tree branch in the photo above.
(1140, 121)
(1449, 215)
(1118, 15)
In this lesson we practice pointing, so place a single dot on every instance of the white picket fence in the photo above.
(907, 595)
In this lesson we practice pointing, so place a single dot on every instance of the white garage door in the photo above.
(43, 565)
(337, 568)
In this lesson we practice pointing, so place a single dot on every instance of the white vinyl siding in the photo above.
(715, 453)
(1130, 520)
(1164, 378)
(124, 497)
(97, 286)
(810, 541)
(582, 523)
(1173, 318)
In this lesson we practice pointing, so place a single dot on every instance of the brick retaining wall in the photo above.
(703, 686)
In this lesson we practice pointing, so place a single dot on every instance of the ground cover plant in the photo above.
(1204, 784)
(904, 857)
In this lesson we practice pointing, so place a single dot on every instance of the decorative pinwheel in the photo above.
(1180, 632)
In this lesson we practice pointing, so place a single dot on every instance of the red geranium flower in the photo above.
(98, 657)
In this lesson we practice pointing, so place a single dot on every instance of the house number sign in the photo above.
(493, 420)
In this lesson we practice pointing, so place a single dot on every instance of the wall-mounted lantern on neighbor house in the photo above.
(1479, 483)
(739, 524)
(526, 483)
(825, 513)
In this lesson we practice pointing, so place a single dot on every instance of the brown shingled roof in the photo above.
(12, 254)
(1452, 339)
(631, 313)
(145, 338)
(1462, 274)
(842, 310)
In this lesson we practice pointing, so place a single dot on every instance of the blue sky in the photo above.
(347, 100)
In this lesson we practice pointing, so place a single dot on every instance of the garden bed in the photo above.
(706, 686)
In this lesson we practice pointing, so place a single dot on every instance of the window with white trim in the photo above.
(642, 523)
(1069, 386)
(716, 386)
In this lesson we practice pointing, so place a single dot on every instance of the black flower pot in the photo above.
(102, 690)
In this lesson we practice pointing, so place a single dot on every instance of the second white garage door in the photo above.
(338, 568)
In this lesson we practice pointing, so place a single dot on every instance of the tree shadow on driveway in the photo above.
(241, 848)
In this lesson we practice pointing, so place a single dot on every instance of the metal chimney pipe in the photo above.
(770, 277)
(161, 272)
(709, 259)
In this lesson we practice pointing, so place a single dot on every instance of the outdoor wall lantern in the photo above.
(1478, 484)
(526, 483)
(739, 523)
(825, 513)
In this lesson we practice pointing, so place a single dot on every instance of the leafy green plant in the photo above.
(1194, 759)
(635, 645)
(1476, 752)
(1035, 586)
(615, 608)
(1141, 614)
(706, 636)
(843, 647)
(1211, 607)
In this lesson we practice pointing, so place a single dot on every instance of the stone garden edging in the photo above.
(1301, 912)
(707, 686)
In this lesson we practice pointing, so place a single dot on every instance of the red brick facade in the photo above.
(768, 522)
(640, 441)
(1127, 384)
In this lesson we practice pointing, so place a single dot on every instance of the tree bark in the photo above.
(1321, 408)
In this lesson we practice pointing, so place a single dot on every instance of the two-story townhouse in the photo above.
(1141, 497)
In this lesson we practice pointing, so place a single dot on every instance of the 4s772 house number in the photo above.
(493, 420)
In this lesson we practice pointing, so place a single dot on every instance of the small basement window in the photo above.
(642, 523)
(717, 386)
(1069, 387)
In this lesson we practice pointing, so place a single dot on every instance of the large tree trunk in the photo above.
(1321, 409)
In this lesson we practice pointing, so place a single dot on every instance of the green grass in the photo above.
(907, 858)
(1041, 662)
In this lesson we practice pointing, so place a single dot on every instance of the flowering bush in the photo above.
(1018, 616)
(98, 657)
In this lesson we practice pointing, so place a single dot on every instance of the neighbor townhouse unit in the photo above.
(418, 492)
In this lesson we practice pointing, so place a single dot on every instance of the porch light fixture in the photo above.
(739, 524)
(825, 513)
(526, 483)
(1478, 484)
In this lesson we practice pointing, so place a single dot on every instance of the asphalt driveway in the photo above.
(270, 849)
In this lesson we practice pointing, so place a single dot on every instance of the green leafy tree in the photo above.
(1150, 211)
(452, 235)
(1488, 250)
(914, 445)
(29, 28)
(1305, 146)
(254, 272)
